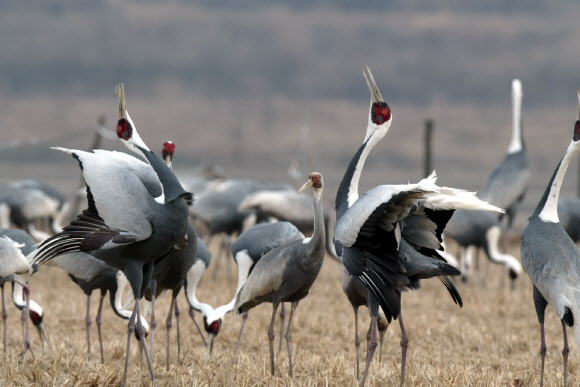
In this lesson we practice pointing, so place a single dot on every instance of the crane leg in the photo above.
(130, 330)
(99, 322)
(88, 323)
(542, 353)
(153, 288)
(192, 315)
(371, 349)
(289, 336)
(565, 352)
(244, 318)
(24, 319)
(382, 326)
(141, 333)
(177, 314)
(356, 342)
(4, 317)
(282, 321)
(404, 345)
(168, 325)
(271, 335)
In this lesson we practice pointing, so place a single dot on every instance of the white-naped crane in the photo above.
(16, 248)
(569, 215)
(508, 182)
(55, 219)
(27, 206)
(92, 274)
(192, 279)
(247, 250)
(551, 258)
(125, 225)
(389, 236)
(286, 273)
(474, 230)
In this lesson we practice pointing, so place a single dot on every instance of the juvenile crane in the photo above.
(247, 250)
(286, 273)
(551, 258)
(125, 225)
(389, 237)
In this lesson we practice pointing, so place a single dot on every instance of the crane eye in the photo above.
(577, 131)
(124, 129)
(380, 113)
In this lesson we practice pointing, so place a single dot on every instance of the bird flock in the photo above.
(144, 233)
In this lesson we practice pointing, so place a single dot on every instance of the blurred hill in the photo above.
(234, 84)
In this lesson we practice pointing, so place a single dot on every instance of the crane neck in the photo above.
(547, 209)
(171, 187)
(517, 143)
(347, 192)
(318, 238)
(192, 279)
(20, 301)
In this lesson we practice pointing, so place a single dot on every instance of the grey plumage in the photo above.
(286, 273)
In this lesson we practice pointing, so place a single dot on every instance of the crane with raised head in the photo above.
(389, 237)
(125, 225)
(551, 258)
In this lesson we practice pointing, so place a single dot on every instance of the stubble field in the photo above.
(492, 341)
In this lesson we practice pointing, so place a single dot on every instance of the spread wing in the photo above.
(372, 228)
(119, 206)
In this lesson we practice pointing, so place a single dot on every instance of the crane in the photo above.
(551, 258)
(125, 225)
(286, 273)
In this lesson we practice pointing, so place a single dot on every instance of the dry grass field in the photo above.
(492, 341)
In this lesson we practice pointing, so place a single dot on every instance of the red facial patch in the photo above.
(380, 113)
(36, 318)
(316, 181)
(577, 131)
(168, 149)
(214, 327)
(124, 129)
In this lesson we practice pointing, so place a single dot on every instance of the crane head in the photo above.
(167, 151)
(36, 318)
(314, 180)
(380, 113)
(212, 329)
(125, 128)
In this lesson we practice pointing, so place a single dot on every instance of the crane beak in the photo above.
(42, 335)
(120, 92)
(210, 342)
(372, 85)
(306, 185)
